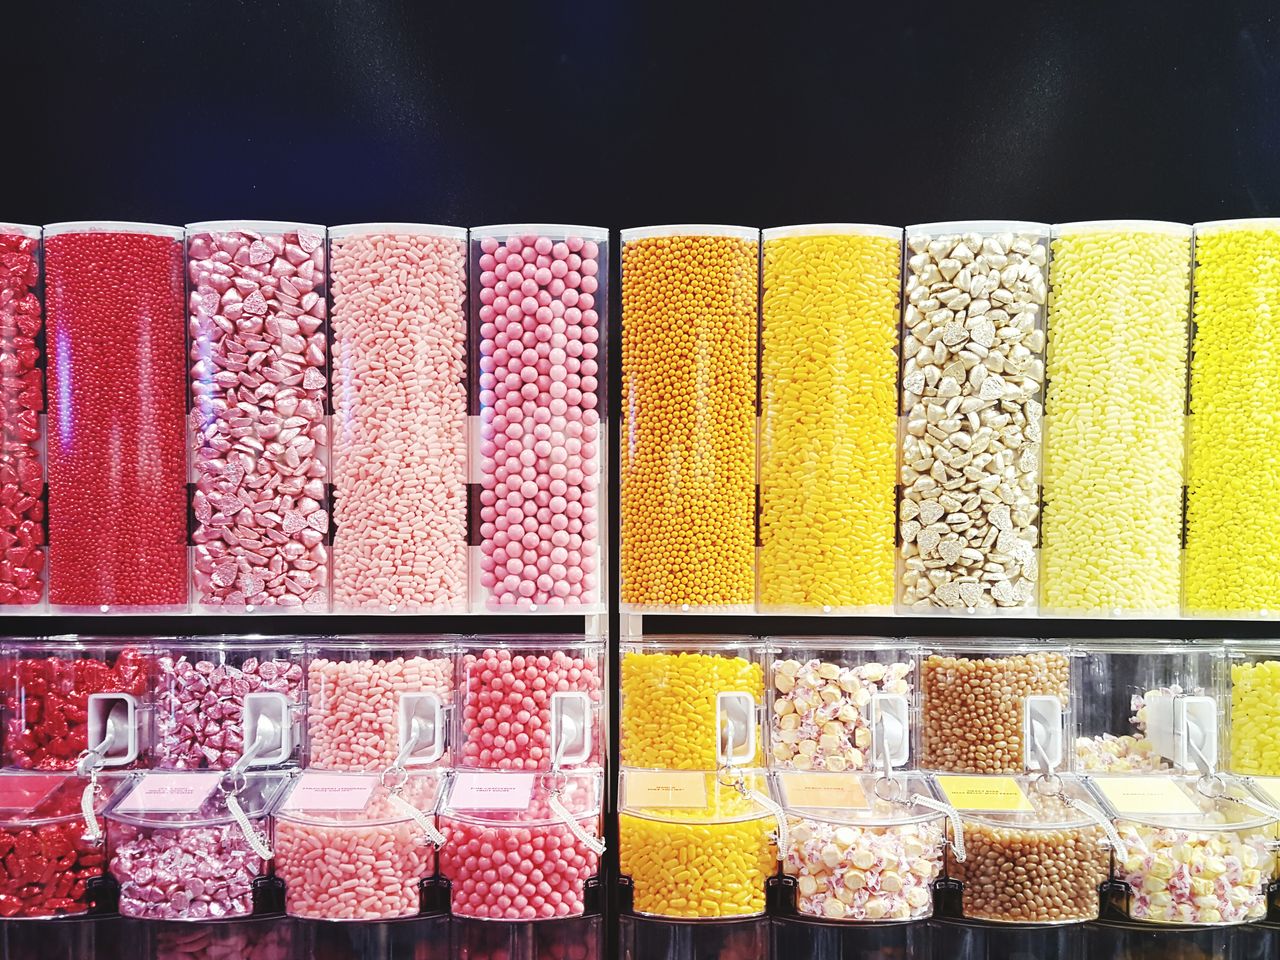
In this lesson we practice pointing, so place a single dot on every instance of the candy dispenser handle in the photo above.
(889, 730)
(256, 840)
(953, 817)
(1042, 730)
(729, 704)
(593, 843)
(266, 720)
(92, 830)
(1102, 820)
(422, 819)
(569, 726)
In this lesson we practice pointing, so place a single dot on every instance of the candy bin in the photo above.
(1199, 851)
(253, 938)
(190, 845)
(371, 700)
(212, 697)
(350, 846)
(828, 417)
(259, 375)
(972, 394)
(826, 696)
(692, 704)
(531, 704)
(696, 845)
(521, 846)
(66, 694)
(409, 938)
(646, 938)
(1148, 706)
(540, 298)
(571, 938)
(51, 859)
(690, 296)
(1115, 411)
(1035, 850)
(818, 940)
(23, 529)
(860, 848)
(1255, 707)
(115, 294)
(997, 706)
(399, 322)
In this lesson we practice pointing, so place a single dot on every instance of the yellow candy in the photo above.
(1255, 718)
(828, 442)
(669, 707)
(1232, 507)
(1115, 412)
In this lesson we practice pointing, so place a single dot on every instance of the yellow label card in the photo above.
(666, 788)
(986, 794)
(1145, 795)
(830, 791)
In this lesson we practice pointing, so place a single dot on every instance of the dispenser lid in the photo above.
(355, 799)
(853, 798)
(1181, 802)
(31, 798)
(505, 796)
(1025, 802)
(194, 798)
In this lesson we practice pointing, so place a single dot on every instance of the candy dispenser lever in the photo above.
(421, 729)
(1184, 730)
(889, 713)
(112, 739)
(1042, 733)
(735, 712)
(570, 729)
(267, 733)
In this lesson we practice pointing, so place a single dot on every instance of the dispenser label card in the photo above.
(503, 791)
(666, 788)
(985, 794)
(330, 791)
(830, 791)
(170, 792)
(1145, 795)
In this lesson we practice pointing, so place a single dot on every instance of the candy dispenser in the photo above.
(521, 846)
(1255, 707)
(352, 847)
(117, 458)
(1231, 506)
(692, 703)
(191, 845)
(1148, 706)
(22, 482)
(695, 845)
(219, 699)
(826, 697)
(399, 321)
(531, 704)
(378, 701)
(972, 392)
(540, 300)
(690, 296)
(860, 848)
(1115, 412)
(50, 861)
(66, 695)
(1197, 851)
(828, 417)
(648, 938)
(260, 437)
(996, 706)
(1031, 854)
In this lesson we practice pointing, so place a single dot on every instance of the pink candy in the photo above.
(400, 428)
(258, 357)
(188, 873)
(539, 409)
(266, 939)
(506, 706)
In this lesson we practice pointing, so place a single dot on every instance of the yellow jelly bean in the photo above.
(1232, 507)
(1255, 718)
(1115, 413)
(828, 441)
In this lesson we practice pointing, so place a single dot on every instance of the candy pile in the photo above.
(864, 873)
(258, 360)
(45, 870)
(973, 343)
(199, 706)
(400, 422)
(1255, 705)
(689, 391)
(22, 533)
(540, 421)
(506, 705)
(1127, 753)
(821, 714)
(1195, 876)
(46, 705)
(184, 873)
(353, 714)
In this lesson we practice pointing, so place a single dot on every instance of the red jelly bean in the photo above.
(116, 452)
(21, 400)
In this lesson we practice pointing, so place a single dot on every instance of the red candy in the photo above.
(22, 534)
(116, 450)
(46, 704)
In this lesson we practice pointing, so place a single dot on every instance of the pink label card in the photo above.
(170, 792)
(492, 791)
(331, 791)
